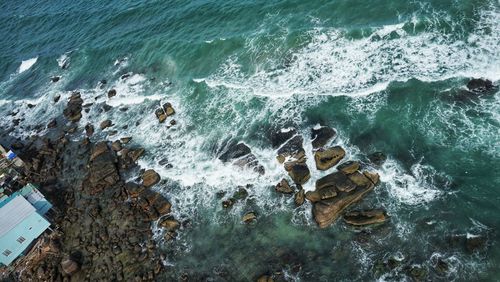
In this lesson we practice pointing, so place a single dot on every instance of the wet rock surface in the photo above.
(361, 218)
(327, 158)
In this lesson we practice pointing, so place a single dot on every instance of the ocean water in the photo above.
(387, 75)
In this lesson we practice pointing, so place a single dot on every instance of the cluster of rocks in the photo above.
(334, 192)
(103, 225)
(240, 155)
(166, 110)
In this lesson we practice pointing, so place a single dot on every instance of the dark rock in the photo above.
(111, 93)
(235, 151)
(73, 110)
(479, 85)
(360, 218)
(125, 140)
(31, 106)
(150, 178)
(89, 130)
(105, 124)
(52, 123)
(57, 98)
(292, 149)
(125, 76)
(55, 78)
(173, 122)
(327, 158)
(299, 173)
(240, 194)
(228, 203)
(475, 242)
(377, 158)
(322, 135)
(283, 187)
(106, 107)
(280, 137)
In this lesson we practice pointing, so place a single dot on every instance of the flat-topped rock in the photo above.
(150, 178)
(337, 191)
(361, 218)
(327, 158)
(284, 187)
(292, 149)
(348, 167)
(299, 172)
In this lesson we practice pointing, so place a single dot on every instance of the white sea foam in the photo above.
(410, 188)
(27, 64)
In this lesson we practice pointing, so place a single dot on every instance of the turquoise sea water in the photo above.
(387, 75)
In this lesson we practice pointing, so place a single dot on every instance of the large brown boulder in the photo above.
(283, 187)
(348, 167)
(337, 191)
(327, 158)
(299, 172)
(360, 218)
(73, 110)
(150, 178)
(299, 197)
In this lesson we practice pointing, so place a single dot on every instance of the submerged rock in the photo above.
(89, 130)
(52, 123)
(377, 158)
(479, 85)
(55, 78)
(327, 158)
(360, 218)
(321, 135)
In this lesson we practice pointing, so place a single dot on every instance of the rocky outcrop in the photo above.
(283, 187)
(105, 124)
(361, 218)
(111, 93)
(327, 158)
(479, 85)
(249, 217)
(322, 135)
(292, 149)
(299, 197)
(377, 158)
(279, 138)
(337, 191)
(164, 111)
(150, 178)
(299, 172)
(241, 155)
(73, 110)
(348, 167)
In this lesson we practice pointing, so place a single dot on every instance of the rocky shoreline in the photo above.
(103, 224)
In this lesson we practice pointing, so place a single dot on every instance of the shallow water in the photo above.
(386, 75)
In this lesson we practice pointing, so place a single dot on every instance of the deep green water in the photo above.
(387, 75)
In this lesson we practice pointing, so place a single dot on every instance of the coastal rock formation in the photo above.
(348, 167)
(377, 158)
(299, 172)
(164, 111)
(337, 191)
(150, 178)
(73, 110)
(280, 137)
(283, 187)
(105, 124)
(111, 93)
(327, 158)
(299, 197)
(241, 155)
(360, 218)
(479, 85)
(292, 149)
(321, 135)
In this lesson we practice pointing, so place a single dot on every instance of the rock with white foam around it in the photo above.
(337, 191)
(321, 135)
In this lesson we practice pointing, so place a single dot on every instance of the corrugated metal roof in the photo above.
(13, 213)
